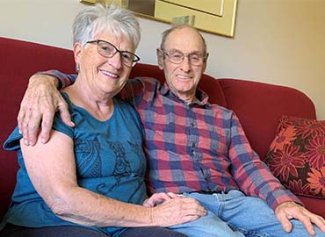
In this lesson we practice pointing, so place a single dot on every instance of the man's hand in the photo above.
(173, 209)
(291, 210)
(158, 198)
(38, 107)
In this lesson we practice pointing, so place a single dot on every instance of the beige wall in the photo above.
(276, 41)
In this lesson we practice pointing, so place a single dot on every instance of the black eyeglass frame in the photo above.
(134, 58)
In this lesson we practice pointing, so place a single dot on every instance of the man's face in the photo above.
(182, 61)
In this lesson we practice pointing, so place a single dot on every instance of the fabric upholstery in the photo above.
(259, 107)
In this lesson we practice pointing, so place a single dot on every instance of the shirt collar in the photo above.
(201, 97)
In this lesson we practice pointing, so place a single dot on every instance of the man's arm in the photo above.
(41, 100)
(254, 178)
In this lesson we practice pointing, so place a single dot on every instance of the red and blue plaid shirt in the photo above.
(196, 147)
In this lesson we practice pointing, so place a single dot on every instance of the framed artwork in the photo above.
(212, 16)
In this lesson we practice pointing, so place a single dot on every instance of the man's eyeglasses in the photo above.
(177, 57)
(108, 50)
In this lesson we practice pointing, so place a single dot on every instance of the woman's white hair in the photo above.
(98, 18)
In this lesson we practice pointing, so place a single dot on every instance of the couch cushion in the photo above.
(297, 156)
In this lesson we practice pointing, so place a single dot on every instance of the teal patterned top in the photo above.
(109, 159)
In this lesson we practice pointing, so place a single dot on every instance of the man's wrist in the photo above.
(56, 82)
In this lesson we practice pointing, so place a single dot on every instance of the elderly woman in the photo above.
(89, 180)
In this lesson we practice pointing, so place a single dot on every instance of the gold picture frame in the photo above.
(212, 16)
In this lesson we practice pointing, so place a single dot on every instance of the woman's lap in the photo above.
(62, 231)
(71, 231)
(150, 232)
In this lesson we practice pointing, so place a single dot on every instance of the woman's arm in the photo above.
(52, 170)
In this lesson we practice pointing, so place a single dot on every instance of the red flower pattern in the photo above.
(285, 136)
(317, 181)
(297, 156)
(287, 161)
(310, 128)
(316, 152)
(299, 187)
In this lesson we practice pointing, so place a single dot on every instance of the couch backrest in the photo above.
(259, 107)
(18, 61)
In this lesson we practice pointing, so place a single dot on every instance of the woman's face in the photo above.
(104, 75)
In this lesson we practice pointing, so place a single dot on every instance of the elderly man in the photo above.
(193, 148)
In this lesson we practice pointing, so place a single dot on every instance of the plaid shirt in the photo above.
(197, 147)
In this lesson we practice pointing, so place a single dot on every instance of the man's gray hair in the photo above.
(175, 27)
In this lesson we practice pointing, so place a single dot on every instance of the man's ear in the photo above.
(204, 66)
(205, 63)
(160, 59)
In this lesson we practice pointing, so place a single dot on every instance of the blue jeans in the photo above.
(236, 215)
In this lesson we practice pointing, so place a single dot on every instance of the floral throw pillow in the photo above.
(297, 156)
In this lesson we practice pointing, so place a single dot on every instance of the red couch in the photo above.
(258, 105)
